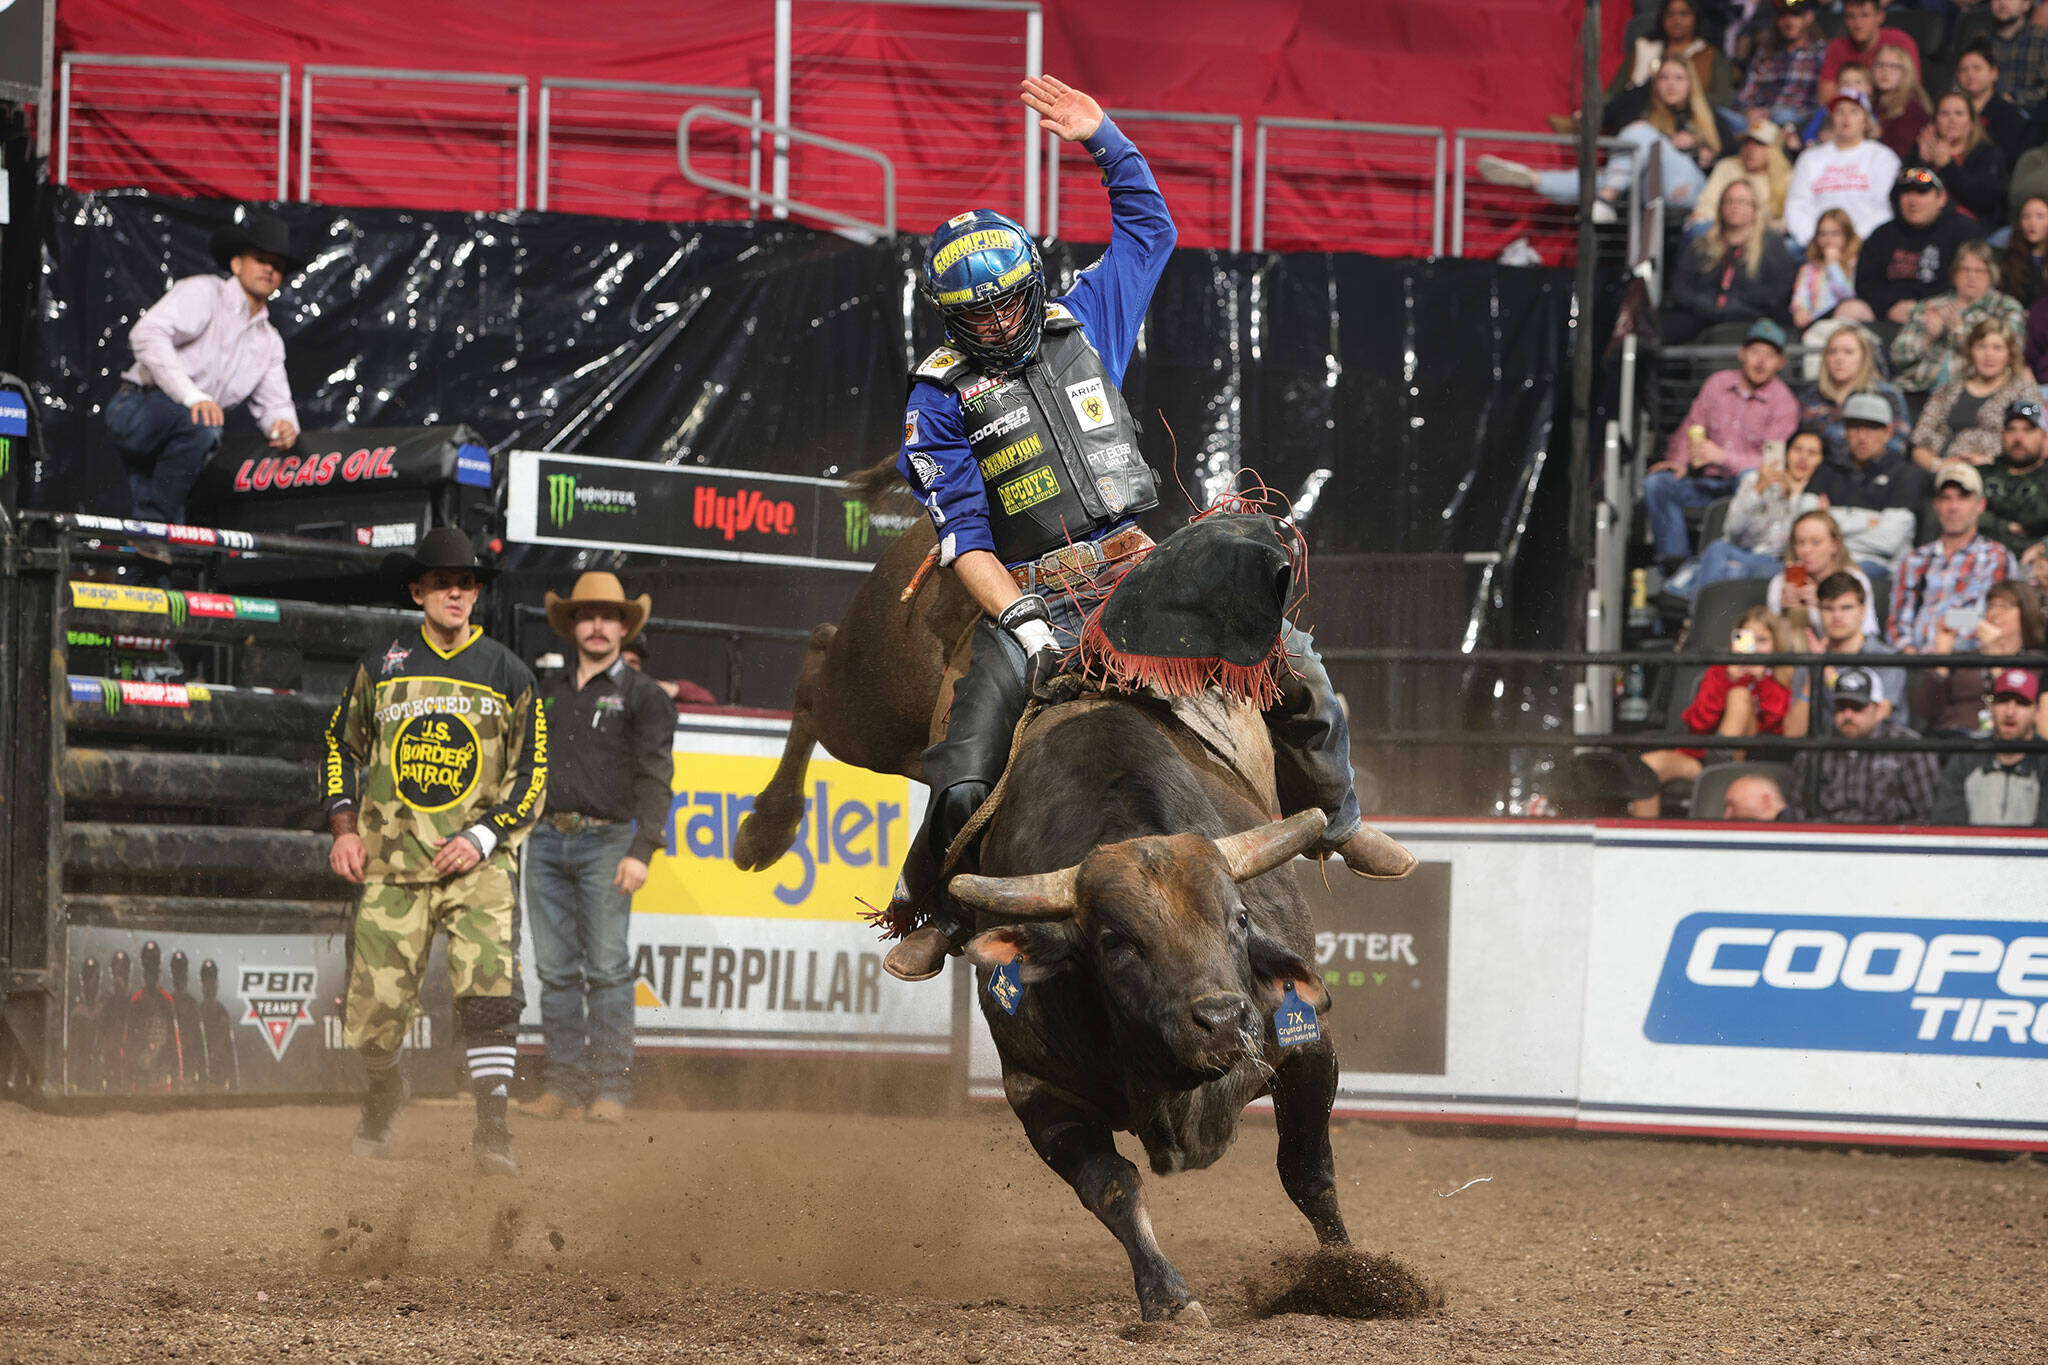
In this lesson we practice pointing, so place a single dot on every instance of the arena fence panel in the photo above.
(883, 225)
(1487, 218)
(1388, 179)
(1198, 160)
(174, 125)
(428, 139)
(607, 147)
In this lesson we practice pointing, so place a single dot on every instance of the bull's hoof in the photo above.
(1191, 1314)
(1165, 1322)
(767, 833)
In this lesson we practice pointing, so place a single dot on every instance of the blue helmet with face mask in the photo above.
(983, 274)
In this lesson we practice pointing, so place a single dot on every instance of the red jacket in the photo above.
(1710, 703)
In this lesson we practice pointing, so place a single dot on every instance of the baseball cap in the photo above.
(1917, 178)
(1771, 334)
(1764, 131)
(1855, 97)
(1859, 686)
(2016, 682)
(1962, 475)
(2023, 410)
(1867, 407)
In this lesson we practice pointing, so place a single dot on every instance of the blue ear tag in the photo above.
(1006, 985)
(1294, 1023)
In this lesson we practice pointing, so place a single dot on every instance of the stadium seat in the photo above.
(1715, 519)
(1711, 786)
(1716, 610)
(1881, 598)
(1926, 27)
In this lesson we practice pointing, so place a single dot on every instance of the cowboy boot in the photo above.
(1372, 854)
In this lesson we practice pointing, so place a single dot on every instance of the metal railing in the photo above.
(466, 118)
(1512, 209)
(593, 128)
(1400, 194)
(190, 138)
(782, 203)
(1190, 174)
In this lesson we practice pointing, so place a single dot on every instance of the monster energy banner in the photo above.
(13, 441)
(693, 512)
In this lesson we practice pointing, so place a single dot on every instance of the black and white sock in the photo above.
(490, 1078)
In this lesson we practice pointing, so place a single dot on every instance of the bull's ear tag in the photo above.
(1294, 1023)
(1006, 984)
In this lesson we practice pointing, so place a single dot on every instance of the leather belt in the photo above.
(1080, 563)
(575, 822)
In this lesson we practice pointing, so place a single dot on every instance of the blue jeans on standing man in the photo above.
(1666, 496)
(579, 922)
(163, 448)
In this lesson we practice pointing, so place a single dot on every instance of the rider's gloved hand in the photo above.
(1030, 625)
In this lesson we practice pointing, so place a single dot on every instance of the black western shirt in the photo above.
(612, 745)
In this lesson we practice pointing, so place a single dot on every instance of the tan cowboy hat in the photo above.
(597, 586)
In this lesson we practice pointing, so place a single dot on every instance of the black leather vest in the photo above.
(1057, 448)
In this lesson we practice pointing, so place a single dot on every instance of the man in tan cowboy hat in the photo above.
(613, 732)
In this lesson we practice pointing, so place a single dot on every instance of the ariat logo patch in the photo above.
(1090, 405)
(275, 1000)
(435, 760)
(1029, 491)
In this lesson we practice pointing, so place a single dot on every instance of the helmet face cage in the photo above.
(983, 273)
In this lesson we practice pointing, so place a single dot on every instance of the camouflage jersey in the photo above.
(443, 743)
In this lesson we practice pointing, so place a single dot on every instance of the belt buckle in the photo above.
(1071, 561)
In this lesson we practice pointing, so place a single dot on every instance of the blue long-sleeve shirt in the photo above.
(1109, 299)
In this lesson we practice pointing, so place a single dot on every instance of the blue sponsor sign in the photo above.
(1833, 983)
(13, 414)
(473, 465)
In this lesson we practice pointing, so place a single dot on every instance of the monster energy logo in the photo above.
(177, 606)
(110, 696)
(857, 525)
(6, 455)
(561, 498)
(861, 524)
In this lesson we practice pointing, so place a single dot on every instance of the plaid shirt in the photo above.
(1787, 83)
(1849, 787)
(1738, 419)
(2023, 66)
(1930, 582)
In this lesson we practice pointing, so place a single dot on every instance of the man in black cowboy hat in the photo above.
(436, 765)
(202, 348)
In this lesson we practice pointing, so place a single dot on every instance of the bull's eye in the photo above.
(1244, 921)
(1112, 941)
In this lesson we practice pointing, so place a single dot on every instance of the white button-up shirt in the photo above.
(200, 342)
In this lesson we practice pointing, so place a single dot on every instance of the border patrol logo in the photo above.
(276, 998)
(435, 760)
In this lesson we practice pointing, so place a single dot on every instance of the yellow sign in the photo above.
(120, 597)
(1011, 455)
(1028, 491)
(855, 828)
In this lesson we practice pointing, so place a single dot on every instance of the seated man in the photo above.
(1841, 608)
(1019, 443)
(1858, 787)
(1723, 435)
(1909, 258)
(1954, 570)
(2016, 483)
(202, 348)
(1876, 501)
(1754, 796)
(1999, 789)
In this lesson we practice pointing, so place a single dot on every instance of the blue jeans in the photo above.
(163, 448)
(579, 922)
(1683, 179)
(1666, 496)
(1723, 560)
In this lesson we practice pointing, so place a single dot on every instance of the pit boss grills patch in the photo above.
(435, 760)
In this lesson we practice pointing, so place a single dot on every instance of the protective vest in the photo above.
(1056, 446)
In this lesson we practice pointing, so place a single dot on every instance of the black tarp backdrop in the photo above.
(1431, 390)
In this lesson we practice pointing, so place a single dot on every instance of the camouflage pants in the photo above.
(395, 927)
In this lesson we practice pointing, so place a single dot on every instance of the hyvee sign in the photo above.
(691, 511)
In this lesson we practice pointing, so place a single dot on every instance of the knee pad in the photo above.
(486, 1019)
(954, 808)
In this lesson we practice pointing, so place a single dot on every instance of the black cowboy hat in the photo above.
(255, 230)
(444, 547)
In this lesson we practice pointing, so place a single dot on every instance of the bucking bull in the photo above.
(1138, 924)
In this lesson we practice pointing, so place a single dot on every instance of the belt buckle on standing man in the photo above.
(613, 731)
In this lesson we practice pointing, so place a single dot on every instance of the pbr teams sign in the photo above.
(693, 512)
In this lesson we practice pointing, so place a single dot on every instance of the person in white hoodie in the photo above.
(1853, 172)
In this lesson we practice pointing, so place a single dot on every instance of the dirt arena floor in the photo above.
(249, 1234)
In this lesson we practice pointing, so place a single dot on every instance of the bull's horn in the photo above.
(1041, 895)
(1260, 850)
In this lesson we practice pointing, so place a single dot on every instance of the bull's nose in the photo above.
(1222, 1015)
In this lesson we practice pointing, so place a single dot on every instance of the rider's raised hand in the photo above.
(1062, 110)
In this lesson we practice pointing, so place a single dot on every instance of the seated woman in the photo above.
(1902, 106)
(1814, 553)
(1928, 351)
(1825, 286)
(1849, 364)
(1734, 274)
(1966, 420)
(1956, 147)
(1758, 161)
(1850, 76)
(1677, 128)
(1851, 171)
(1759, 526)
(1957, 700)
(1676, 34)
(2023, 265)
(1733, 702)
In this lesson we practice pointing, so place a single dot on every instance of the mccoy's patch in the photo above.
(1034, 488)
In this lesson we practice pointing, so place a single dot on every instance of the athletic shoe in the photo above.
(380, 1108)
(493, 1147)
(1498, 170)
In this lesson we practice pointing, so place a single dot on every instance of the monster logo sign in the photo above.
(434, 761)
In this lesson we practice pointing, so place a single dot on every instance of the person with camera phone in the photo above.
(1954, 570)
(1956, 700)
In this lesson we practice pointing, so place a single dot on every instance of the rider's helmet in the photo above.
(983, 274)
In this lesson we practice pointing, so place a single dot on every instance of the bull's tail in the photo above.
(883, 489)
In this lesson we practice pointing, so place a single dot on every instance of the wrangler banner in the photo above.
(778, 960)
(693, 511)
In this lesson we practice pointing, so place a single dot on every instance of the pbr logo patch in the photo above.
(435, 760)
(1006, 987)
(275, 1000)
(1091, 406)
(925, 468)
(1294, 1023)
(394, 659)
(978, 388)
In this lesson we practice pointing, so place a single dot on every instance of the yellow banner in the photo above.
(120, 597)
(847, 853)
